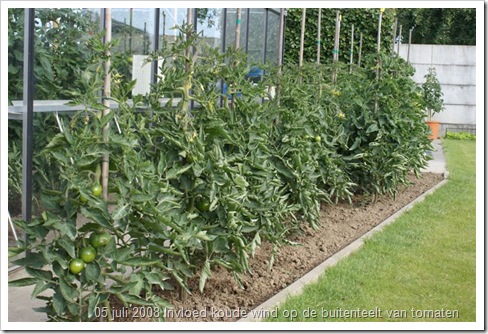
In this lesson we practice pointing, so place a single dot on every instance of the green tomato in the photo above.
(97, 190)
(88, 254)
(76, 266)
(318, 139)
(203, 204)
(99, 239)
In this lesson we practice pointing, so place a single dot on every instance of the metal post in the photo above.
(265, 35)
(248, 11)
(106, 101)
(28, 114)
(394, 33)
(360, 48)
(238, 28)
(352, 48)
(188, 49)
(164, 30)
(155, 46)
(378, 39)
(144, 50)
(409, 44)
(399, 39)
(280, 55)
(131, 13)
(319, 24)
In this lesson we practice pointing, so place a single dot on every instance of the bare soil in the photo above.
(340, 224)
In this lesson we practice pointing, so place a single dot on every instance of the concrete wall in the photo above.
(456, 70)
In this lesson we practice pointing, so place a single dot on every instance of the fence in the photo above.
(456, 70)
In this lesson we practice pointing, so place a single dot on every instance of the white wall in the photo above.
(456, 70)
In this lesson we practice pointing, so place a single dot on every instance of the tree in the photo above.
(451, 26)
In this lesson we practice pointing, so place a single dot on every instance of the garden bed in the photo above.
(339, 226)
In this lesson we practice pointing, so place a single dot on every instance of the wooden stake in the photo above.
(335, 52)
(302, 37)
(319, 24)
(188, 49)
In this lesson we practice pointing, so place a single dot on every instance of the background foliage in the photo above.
(365, 20)
(451, 26)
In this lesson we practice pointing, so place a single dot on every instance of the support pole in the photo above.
(155, 47)
(394, 33)
(409, 44)
(399, 39)
(280, 54)
(351, 57)
(28, 114)
(238, 28)
(302, 37)
(335, 52)
(236, 45)
(378, 60)
(319, 25)
(188, 49)
(131, 13)
(360, 49)
(106, 101)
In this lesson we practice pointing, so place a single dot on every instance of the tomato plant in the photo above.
(192, 189)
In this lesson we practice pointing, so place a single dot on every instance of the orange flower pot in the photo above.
(434, 129)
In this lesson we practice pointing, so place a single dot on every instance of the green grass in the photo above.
(425, 260)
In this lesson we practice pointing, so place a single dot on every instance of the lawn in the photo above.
(420, 268)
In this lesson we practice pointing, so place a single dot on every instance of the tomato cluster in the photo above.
(89, 253)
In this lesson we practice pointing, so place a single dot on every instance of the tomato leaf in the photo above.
(204, 275)
(23, 282)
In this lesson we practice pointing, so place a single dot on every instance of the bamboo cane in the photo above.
(238, 28)
(302, 37)
(335, 52)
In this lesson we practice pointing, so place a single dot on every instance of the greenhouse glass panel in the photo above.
(256, 35)
(210, 21)
(170, 20)
(272, 39)
(60, 50)
(230, 30)
(134, 28)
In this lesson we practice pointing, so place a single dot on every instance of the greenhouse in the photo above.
(186, 164)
